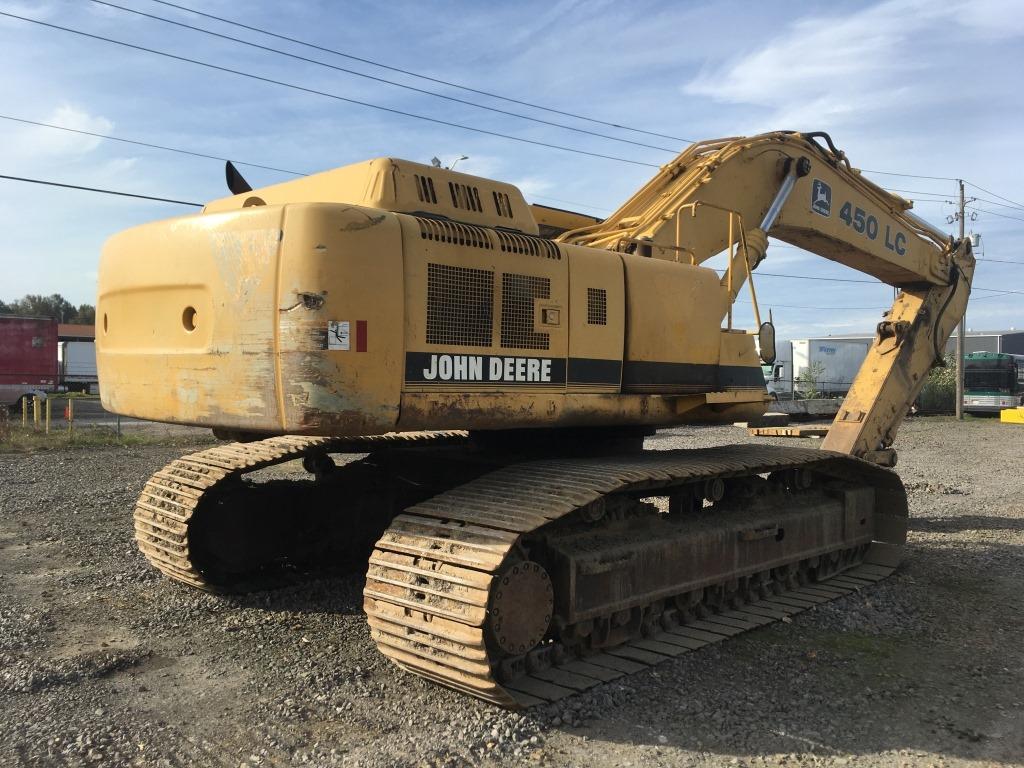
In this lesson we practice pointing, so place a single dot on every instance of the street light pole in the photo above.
(960, 331)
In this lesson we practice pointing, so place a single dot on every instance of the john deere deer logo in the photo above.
(821, 198)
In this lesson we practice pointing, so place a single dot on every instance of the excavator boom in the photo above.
(808, 195)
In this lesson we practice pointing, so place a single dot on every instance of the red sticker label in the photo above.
(360, 335)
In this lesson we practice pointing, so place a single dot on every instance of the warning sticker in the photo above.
(338, 334)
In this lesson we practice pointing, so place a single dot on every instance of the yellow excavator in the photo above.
(468, 381)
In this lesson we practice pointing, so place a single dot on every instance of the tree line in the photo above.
(55, 306)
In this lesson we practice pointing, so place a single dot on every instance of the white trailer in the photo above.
(77, 364)
(831, 363)
(827, 365)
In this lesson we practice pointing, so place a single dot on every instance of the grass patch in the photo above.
(18, 440)
(875, 647)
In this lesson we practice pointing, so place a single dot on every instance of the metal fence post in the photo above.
(24, 413)
(36, 400)
(49, 402)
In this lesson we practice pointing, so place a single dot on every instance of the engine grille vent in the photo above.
(425, 189)
(511, 242)
(453, 232)
(465, 197)
(502, 204)
(597, 306)
(460, 305)
(517, 296)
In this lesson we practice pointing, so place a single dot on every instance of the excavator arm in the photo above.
(732, 194)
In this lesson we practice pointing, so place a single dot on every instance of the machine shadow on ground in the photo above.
(836, 687)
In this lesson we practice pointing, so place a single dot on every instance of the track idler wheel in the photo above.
(520, 607)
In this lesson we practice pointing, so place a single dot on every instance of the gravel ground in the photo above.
(103, 662)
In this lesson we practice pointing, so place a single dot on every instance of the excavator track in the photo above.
(166, 509)
(440, 592)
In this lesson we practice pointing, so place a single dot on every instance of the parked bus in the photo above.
(993, 381)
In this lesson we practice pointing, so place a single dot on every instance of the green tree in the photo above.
(807, 381)
(86, 314)
(938, 395)
(55, 306)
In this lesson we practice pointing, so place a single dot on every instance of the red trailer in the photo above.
(28, 357)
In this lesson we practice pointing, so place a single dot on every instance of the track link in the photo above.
(431, 574)
(166, 508)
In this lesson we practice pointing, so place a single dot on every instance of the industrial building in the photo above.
(1009, 341)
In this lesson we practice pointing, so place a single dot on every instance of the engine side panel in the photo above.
(331, 319)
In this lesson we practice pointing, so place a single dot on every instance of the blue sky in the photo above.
(912, 87)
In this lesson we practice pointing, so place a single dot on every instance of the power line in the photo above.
(891, 173)
(916, 192)
(384, 80)
(334, 96)
(993, 213)
(801, 306)
(869, 282)
(1001, 205)
(992, 296)
(996, 290)
(416, 74)
(823, 279)
(101, 191)
(147, 144)
(990, 192)
(572, 202)
(993, 290)
(940, 197)
(1004, 204)
(1000, 261)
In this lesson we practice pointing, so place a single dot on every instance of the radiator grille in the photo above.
(460, 305)
(453, 232)
(517, 296)
(597, 306)
(511, 242)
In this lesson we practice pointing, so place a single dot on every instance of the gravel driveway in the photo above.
(103, 662)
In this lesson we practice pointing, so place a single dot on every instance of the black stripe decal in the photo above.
(654, 376)
(426, 368)
(586, 370)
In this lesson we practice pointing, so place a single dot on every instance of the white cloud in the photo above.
(41, 142)
(488, 166)
(996, 19)
(532, 186)
(842, 70)
(34, 9)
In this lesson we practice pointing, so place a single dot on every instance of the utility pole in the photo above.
(960, 334)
